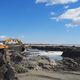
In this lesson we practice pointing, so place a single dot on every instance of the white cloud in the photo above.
(54, 18)
(53, 2)
(70, 14)
(73, 15)
(66, 7)
(3, 37)
(52, 13)
(41, 1)
(71, 25)
(77, 22)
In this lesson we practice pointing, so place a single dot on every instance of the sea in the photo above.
(53, 55)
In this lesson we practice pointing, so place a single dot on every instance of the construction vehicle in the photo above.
(2, 46)
(12, 41)
(7, 72)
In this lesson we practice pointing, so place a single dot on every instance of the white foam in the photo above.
(53, 55)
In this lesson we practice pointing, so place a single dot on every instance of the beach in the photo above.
(46, 75)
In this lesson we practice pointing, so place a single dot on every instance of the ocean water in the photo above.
(53, 55)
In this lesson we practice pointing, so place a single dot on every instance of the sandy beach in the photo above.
(43, 75)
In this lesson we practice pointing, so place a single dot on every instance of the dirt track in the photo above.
(42, 75)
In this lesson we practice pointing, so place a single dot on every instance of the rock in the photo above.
(37, 63)
(31, 65)
(6, 70)
(68, 64)
(16, 57)
(71, 53)
(20, 69)
(10, 73)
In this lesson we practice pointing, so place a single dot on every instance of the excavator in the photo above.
(6, 70)
(2, 46)
(12, 41)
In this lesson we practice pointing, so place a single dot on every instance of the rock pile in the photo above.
(25, 63)
(6, 70)
(32, 62)
(21, 62)
(68, 64)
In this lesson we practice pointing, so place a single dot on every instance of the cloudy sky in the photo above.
(41, 21)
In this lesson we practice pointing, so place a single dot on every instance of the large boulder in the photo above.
(68, 64)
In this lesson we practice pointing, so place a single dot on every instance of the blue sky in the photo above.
(41, 21)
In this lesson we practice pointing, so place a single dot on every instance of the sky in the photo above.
(41, 21)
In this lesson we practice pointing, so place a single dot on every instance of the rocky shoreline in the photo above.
(70, 61)
(23, 62)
